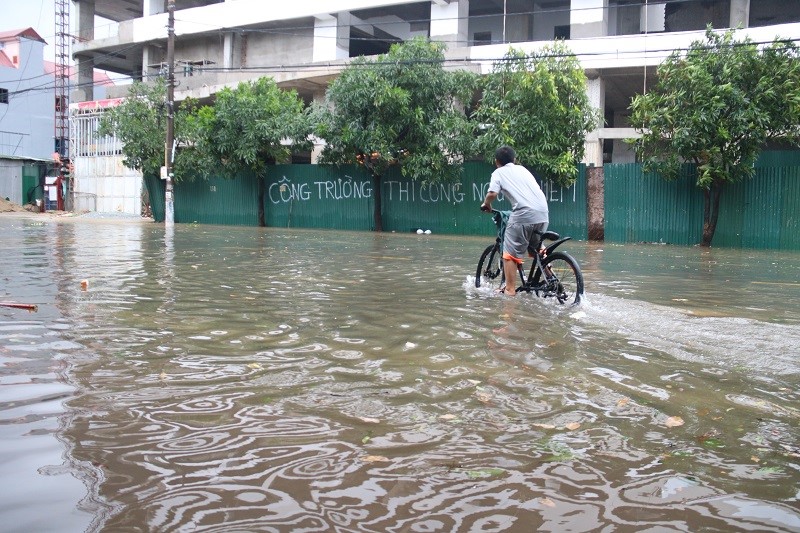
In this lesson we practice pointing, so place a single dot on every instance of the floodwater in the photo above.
(250, 379)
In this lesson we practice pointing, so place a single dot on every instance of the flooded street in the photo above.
(251, 379)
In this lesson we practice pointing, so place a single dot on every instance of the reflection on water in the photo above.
(227, 378)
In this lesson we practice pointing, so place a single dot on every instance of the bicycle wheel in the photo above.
(566, 282)
(490, 268)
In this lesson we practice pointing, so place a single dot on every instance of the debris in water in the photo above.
(674, 421)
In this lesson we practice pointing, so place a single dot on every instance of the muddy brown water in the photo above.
(249, 379)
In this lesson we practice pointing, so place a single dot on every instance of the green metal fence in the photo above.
(762, 212)
(643, 207)
(314, 196)
(329, 197)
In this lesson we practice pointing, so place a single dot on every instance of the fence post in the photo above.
(595, 204)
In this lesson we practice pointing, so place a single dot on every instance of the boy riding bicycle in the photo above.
(529, 217)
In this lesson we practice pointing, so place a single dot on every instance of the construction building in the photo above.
(303, 45)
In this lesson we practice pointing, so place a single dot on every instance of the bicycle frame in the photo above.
(553, 274)
(500, 219)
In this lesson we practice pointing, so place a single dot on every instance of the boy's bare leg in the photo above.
(510, 270)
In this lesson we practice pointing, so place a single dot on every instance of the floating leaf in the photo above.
(547, 502)
(448, 417)
(544, 426)
(484, 397)
(681, 453)
(484, 472)
(623, 402)
(254, 365)
(375, 459)
(572, 426)
(674, 421)
(369, 420)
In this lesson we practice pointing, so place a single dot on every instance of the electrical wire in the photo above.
(299, 67)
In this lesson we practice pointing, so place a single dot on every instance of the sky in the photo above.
(36, 14)
(39, 15)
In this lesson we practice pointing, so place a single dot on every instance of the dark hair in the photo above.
(505, 154)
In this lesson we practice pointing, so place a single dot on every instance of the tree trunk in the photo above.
(710, 212)
(262, 187)
(377, 212)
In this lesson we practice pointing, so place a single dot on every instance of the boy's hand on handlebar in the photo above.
(485, 208)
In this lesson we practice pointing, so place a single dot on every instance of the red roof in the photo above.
(13, 35)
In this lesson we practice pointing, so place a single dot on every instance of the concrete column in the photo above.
(332, 37)
(84, 65)
(84, 17)
(596, 91)
(449, 22)
(151, 56)
(227, 50)
(740, 13)
(588, 18)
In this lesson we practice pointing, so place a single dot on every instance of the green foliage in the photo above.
(248, 128)
(401, 108)
(538, 105)
(140, 123)
(717, 105)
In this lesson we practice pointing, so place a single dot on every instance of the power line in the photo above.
(300, 67)
(566, 8)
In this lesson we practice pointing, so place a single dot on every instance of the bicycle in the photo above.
(552, 274)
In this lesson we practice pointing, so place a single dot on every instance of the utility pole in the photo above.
(169, 152)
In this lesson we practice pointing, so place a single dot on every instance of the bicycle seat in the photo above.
(551, 235)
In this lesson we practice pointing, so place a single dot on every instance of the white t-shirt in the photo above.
(528, 203)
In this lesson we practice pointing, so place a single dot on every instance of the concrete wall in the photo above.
(104, 184)
(28, 122)
(280, 48)
(11, 180)
(544, 22)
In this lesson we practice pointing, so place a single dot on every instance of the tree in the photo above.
(249, 128)
(538, 105)
(140, 123)
(401, 108)
(717, 105)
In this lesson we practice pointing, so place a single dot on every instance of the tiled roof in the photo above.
(29, 33)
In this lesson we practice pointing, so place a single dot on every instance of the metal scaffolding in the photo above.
(62, 79)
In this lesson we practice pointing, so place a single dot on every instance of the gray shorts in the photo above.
(521, 238)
